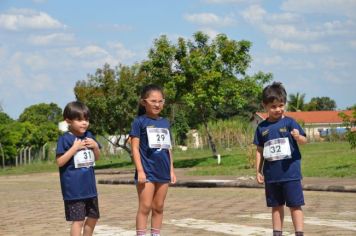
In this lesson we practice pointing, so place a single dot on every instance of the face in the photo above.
(153, 103)
(275, 110)
(78, 126)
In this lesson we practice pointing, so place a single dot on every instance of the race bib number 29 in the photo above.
(84, 158)
(159, 138)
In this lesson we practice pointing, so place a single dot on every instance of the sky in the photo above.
(46, 46)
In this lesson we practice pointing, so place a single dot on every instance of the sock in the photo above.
(140, 232)
(299, 233)
(155, 232)
(277, 233)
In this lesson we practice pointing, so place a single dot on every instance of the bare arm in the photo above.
(299, 138)
(173, 175)
(135, 146)
(259, 165)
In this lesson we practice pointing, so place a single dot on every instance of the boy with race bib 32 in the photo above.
(151, 149)
(278, 154)
(76, 153)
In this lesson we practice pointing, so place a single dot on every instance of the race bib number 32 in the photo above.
(159, 138)
(84, 158)
(277, 149)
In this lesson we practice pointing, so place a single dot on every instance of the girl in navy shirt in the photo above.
(151, 149)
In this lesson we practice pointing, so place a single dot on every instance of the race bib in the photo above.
(277, 149)
(159, 138)
(84, 158)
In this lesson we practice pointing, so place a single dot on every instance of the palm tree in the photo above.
(296, 102)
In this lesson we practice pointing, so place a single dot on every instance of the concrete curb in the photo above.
(235, 184)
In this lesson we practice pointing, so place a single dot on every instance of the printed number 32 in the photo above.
(275, 149)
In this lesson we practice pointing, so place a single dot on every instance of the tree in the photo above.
(112, 97)
(208, 78)
(321, 104)
(350, 122)
(42, 113)
(5, 118)
(296, 102)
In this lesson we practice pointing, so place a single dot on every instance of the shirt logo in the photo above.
(283, 130)
(264, 133)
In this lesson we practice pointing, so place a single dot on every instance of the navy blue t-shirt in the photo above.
(76, 183)
(155, 162)
(286, 169)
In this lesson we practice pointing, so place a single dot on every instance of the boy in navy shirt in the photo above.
(277, 140)
(77, 151)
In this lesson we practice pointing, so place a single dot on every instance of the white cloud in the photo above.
(254, 14)
(344, 7)
(91, 50)
(209, 19)
(228, 1)
(55, 38)
(18, 19)
(120, 52)
(283, 46)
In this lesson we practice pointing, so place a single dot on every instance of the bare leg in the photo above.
(76, 229)
(89, 226)
(297, 218)
(157, 205)
(277, 217)
(145, 195)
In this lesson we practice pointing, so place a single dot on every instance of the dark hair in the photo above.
(274, 92)
(76, 110)
(145, 93)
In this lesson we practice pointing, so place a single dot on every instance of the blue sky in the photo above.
(46, 45)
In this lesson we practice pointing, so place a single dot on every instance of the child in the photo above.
(277, 140)
(76, 153)
(151, 149)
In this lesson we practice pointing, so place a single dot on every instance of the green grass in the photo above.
(327, 159)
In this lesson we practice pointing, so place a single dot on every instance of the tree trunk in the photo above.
(210, 140)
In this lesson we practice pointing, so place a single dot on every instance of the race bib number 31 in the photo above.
(159, 138)
(277, 149)
(84, 158)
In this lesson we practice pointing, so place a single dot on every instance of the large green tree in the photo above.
(42, 113)
(206, 76)
(112, 97)
(321, 104)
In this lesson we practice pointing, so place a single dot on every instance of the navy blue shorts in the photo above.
(77, 210)
(289, 193)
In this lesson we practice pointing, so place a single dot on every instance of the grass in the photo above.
(327, 159)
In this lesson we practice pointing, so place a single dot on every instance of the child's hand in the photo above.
(141, 177)
(295, 134)
(78, 144)
(173, 177)
(90, 143)
(260, 178)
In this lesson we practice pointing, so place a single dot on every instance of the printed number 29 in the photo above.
(160, 137)
(275, 149)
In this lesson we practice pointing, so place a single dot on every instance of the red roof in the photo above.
(313, 116)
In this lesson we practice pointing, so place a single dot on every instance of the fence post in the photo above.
(3, 156)
(29, 155)
(44, 151)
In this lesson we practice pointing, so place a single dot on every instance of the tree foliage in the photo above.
(41, 113)
(296, 102)
(321, 104)
(350, 122)
(112, 97)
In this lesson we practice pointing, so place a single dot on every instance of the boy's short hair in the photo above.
(76, 110)
(274, 92)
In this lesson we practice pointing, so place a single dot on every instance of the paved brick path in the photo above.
(32, 205)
